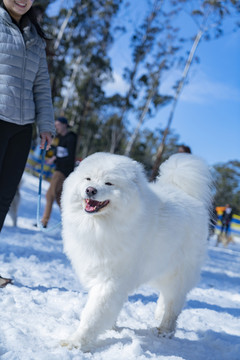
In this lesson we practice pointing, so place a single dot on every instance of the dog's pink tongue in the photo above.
(91, 205)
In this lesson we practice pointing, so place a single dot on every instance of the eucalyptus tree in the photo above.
(161, 60)
(146, 143)
(142, 43)
(84, 50)
(227, 184)
(209, 16)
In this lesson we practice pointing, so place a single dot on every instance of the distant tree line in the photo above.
(82, 34)
(227, 184)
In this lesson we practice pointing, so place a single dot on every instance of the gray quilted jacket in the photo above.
(25, 94)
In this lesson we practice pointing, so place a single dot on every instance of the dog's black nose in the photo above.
(90, 191)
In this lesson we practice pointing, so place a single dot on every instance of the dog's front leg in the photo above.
(100, 313)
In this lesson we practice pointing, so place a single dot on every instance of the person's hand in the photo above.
(50, 160)
(46, 137)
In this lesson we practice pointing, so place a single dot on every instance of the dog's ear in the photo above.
(139, 174)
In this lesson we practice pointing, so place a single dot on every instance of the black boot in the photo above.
(4, 281)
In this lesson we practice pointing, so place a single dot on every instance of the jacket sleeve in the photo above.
(43, 98)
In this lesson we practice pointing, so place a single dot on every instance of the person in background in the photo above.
(25, 94)
(64, 161)
(213, 216)
(184, 149)
(226, 219)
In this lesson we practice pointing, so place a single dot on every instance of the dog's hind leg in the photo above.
(173, 289)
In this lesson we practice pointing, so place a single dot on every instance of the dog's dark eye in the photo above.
(88, 179)
(108, 183)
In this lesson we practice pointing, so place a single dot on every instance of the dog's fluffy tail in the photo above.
(189, 173)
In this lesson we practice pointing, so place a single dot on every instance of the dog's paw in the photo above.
(77, 343)
(69, 344)
(165, 333)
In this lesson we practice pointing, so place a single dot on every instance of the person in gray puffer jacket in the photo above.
(25, 93)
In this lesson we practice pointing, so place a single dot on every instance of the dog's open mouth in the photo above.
(94, 205)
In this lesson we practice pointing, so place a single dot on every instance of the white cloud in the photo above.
(117, 85)
(201, 89)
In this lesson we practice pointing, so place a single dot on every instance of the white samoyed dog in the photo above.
(119, 231)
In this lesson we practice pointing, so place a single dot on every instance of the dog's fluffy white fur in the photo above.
(120, 231)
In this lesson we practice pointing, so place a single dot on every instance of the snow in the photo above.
(44, 304)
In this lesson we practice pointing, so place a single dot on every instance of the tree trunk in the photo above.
(141, 120)
(116, 134)
(175, 101)
(61, 31)
(71, 83)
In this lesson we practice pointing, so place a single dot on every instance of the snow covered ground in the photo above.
(45, 302)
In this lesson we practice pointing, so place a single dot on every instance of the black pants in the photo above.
(225, 228)
(15, 143)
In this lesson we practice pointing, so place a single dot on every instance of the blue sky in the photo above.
(207, 117)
